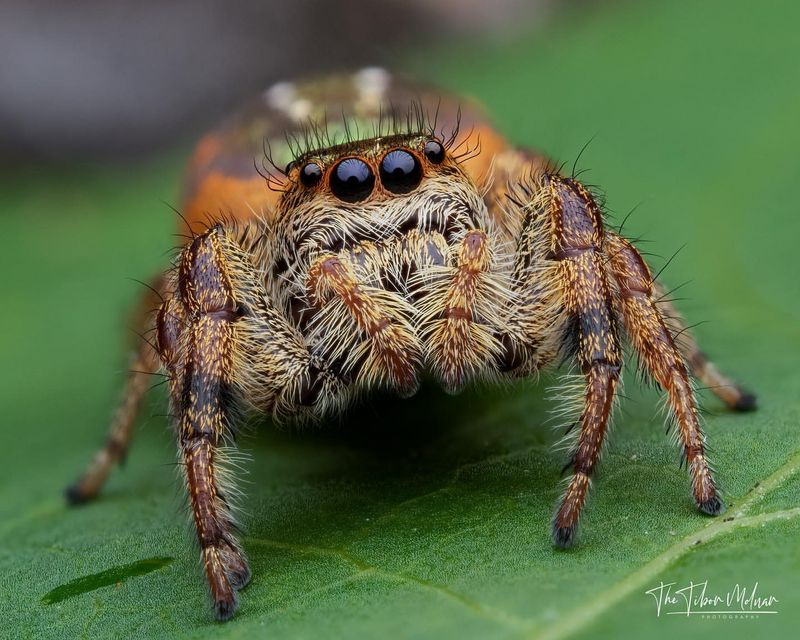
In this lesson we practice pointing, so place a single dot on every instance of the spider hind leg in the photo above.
(144, 365)
(732, 394)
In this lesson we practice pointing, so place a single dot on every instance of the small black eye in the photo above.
(310, 174)
(434, 151)
(400, 171)
(352, 180)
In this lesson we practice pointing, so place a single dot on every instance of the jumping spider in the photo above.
(386, 249)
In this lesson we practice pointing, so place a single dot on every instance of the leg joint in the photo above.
(571, 252)
(203, 279)
(609, 366)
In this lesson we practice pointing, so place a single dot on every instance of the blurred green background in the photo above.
(387, 525)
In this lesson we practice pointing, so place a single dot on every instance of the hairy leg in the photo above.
(196, 337)
(732, 394)
(656, 346)
(224, 348)
(144, 364)
(576, 234)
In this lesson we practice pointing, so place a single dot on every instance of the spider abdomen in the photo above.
(226, 173)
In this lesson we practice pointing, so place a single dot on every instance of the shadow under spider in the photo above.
(443, 429)
(325, 484)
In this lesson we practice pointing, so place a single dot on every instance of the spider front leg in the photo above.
(655, 345)
(196, 339)
(223, 346)
(576, 241)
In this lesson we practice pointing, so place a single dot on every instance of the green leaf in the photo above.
(430, 518)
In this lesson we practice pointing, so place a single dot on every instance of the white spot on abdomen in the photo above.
(371, 84)
(280, 96)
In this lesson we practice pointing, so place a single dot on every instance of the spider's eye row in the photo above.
(310, 174)
(400, 171)
(434, 151)
(352, 180)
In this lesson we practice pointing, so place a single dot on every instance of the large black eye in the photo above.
(434, 151)
(400, 171)
(352, 180)
(310, 174)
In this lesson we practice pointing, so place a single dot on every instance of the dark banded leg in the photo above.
(577, 240)
(199, 357)
(224, 346)
(144, 364)
(733, 395)
(656, 347)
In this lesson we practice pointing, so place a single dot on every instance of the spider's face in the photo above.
(373, 189)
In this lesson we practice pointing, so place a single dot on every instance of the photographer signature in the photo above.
(696, 599)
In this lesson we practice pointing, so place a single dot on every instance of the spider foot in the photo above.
(224, 608)
(237, 569)
(713, 506)
(76, 494)
(564, 537)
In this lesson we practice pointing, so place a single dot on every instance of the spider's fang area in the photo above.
(712, 507)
